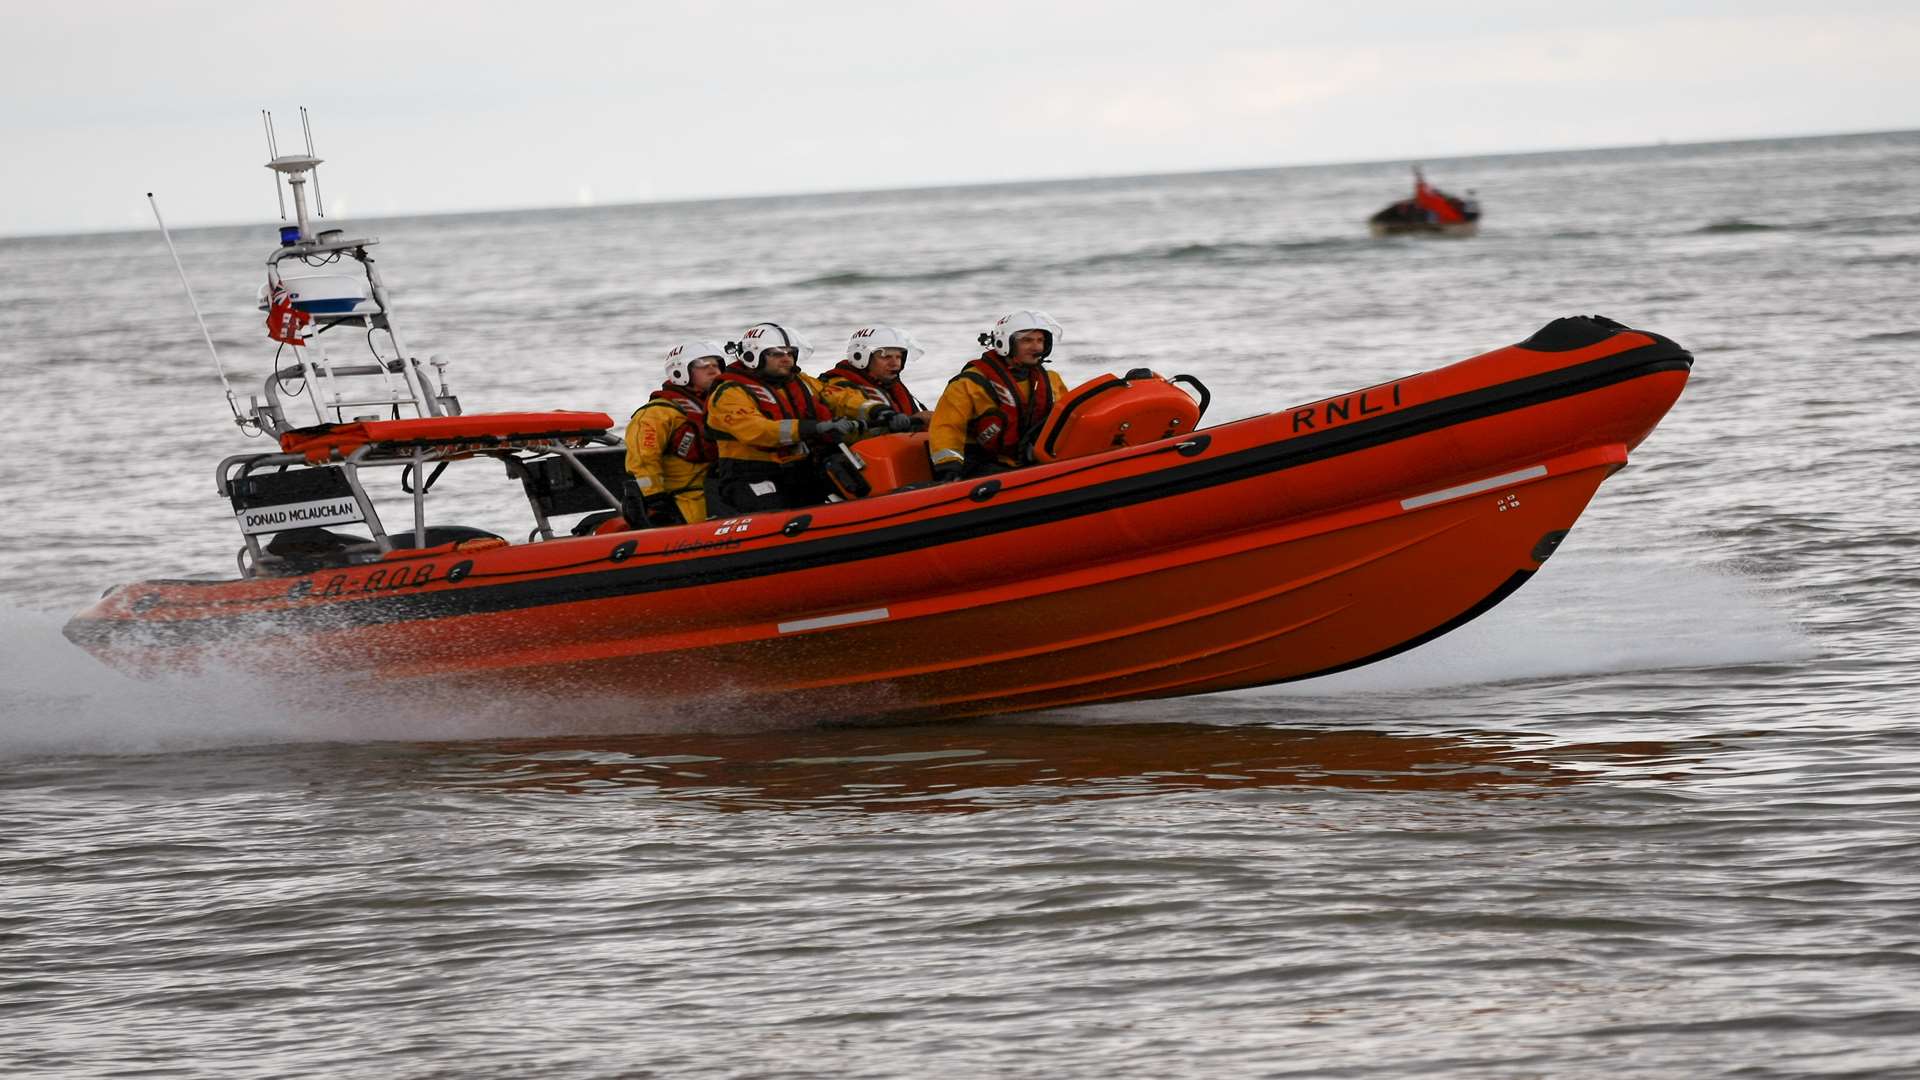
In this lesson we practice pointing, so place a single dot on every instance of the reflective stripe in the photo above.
(1474, 488)
(943, 455)
(825, 621)
(789, 432)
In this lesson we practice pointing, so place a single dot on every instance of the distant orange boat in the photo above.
(1429, 210)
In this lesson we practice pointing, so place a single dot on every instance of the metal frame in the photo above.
(254, 560)
(320, 378)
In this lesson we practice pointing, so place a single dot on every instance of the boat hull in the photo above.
(1275, 548)
(1381, 229)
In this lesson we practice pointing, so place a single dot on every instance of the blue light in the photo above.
(289, 234)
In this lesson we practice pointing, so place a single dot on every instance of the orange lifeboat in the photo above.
(1143, 556)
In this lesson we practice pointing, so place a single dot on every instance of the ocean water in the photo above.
(1657, 815)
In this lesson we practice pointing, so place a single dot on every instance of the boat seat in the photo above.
(601, 523)
(440, 534)
(312, 543)
(316, 543)
(558, 490)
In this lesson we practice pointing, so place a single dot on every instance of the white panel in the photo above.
(272, 519)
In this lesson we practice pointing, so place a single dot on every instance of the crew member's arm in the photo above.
(731, 411)
(844, 401)
(947, 431)
(646, 440)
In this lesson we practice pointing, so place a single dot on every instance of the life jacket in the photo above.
(1009, 428)
(690, 441)
(790, 400)
(893, 395)
(1432, 200)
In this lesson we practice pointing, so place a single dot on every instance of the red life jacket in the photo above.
(690, 441)
(893, 395)
(790, 400)
(1430, 199)
(1008, 429)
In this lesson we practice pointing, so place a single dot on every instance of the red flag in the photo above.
(284, 321)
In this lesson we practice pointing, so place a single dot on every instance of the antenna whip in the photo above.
(217, 366)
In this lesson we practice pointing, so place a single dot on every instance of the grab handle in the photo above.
(1206, 398)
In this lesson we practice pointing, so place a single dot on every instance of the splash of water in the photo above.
(1592, 613)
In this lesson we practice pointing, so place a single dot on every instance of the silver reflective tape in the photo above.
(824, 621)
(1474, 488)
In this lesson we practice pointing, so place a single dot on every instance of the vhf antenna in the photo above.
(296, 169)
(319, 202)
(273, 151)
(232, 402)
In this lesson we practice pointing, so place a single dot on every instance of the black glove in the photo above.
(661, 511)
(948, 471)
(830, 431)
(897, 422)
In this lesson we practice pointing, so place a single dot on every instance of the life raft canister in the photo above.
(1112, 411)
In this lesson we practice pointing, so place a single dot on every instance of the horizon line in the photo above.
(982, 184)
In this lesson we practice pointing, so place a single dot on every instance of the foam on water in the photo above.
(1588, 614)
(54, 698)
(1605, 614)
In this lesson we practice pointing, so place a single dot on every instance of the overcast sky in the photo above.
(430, 106)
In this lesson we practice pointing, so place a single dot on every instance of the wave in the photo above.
(1870, 223)
(1738, 225)
(1228, 253)
(861, 277)
(1900, 259)
(1233, 251)
(1867, 223)
(1891, 335)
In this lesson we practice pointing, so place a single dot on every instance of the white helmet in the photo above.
(868, 338)
(1000, 338)
(760, 337)
(681, 358)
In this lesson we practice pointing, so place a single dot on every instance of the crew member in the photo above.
(875, 358)
(1439, 207)
(992, 411)
(668, 447)
(772, 424)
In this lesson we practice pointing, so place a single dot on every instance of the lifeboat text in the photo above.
(381, 580)
(1325, 414)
